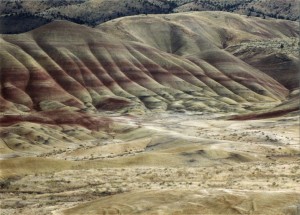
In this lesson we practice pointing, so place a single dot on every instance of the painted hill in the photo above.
(137, 64)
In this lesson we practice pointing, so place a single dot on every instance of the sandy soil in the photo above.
(164, 163)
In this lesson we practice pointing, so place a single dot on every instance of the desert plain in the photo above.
(165, 163)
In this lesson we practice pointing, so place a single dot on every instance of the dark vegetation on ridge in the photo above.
(20, 16)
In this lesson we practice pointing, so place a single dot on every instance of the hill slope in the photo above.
(281, 9)
(161, 65)
(93, 12)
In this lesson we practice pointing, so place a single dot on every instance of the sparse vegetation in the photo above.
(19, 16)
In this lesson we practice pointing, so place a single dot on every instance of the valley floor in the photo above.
(164, 163)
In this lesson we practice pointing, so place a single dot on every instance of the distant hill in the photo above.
(280, 9)
(94, 12)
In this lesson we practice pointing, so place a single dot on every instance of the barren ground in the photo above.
(164, 163)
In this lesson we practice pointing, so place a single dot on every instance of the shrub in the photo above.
(4, 184)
